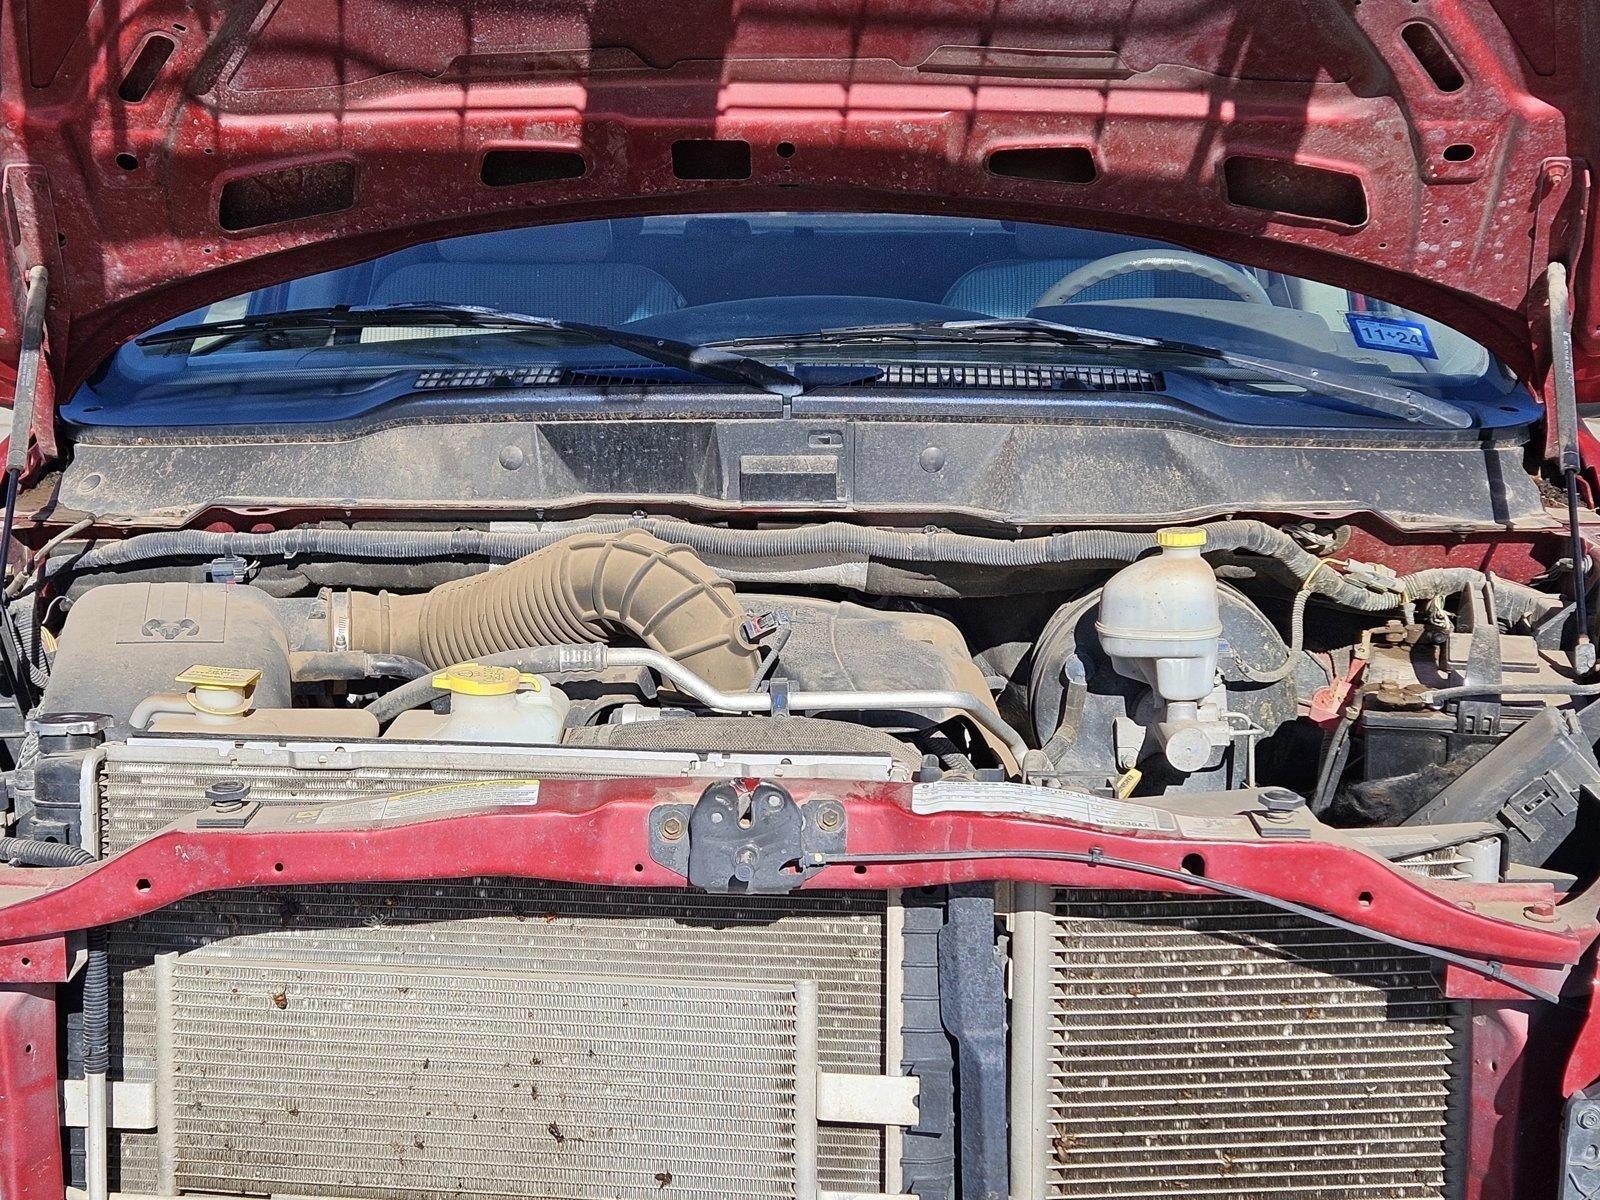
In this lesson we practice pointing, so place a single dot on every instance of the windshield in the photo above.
(342, 343)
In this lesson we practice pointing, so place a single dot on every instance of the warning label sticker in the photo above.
(445, 800)
(972, 796)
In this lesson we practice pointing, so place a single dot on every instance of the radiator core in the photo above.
(408, 1082)
(1212, 1047)
(307, 1038)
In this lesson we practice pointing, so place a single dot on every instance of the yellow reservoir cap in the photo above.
(1180, 538)
(220, 691)
(201, 675)
(477, 679)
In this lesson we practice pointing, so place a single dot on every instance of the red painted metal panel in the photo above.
(888, 104)
(597, 832)
(30, 1121)
(1514, 1099)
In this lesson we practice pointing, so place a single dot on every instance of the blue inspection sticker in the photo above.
(1391, 334)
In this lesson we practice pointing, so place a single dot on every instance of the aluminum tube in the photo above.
(685, 680)
(95, 1135)
(693, 685)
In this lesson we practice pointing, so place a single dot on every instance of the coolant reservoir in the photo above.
(1160, 624)
(489, 704)
(221, 700)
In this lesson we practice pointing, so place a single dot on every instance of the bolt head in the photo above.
(1280, 802)
(672, 828)
(1589, 1118)
(227, 793)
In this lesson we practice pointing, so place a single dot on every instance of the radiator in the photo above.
(299, 1033)
(1169, 1045)
(487, 1037)
(406, 1082)
(151, 781)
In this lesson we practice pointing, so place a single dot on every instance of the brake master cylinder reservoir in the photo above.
(489, 704)
(1160, 624)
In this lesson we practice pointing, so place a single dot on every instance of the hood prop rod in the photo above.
(1568, 456)
(14, 661)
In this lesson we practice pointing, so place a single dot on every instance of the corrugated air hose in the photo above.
(601, 587)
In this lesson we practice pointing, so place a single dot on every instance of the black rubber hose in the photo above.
(28, 852)
(97, 1006)
(1108, 546)
(539, 660)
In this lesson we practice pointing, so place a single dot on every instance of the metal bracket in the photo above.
(1562, 443)
(753, 839)
(26, 396)
(1580, 1177)
(1480, 715)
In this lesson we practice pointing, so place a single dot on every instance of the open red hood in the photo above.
(159, 154)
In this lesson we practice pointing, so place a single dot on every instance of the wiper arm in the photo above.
(716, 363)
(1372, 395)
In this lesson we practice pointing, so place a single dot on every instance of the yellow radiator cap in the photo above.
(1180, 538)
(477, 679)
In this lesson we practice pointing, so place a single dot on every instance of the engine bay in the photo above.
(998, 852)
(1158, 665)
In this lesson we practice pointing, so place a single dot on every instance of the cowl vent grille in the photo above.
(932, 376)
(447, 378)
(1012, 377)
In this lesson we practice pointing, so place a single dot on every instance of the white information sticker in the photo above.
(426, 804)
(973, 796)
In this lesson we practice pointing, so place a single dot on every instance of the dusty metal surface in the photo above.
(1215, 1048)
(400, 1081)
(151, 782)
(378, 1011)
(1013, 472)
(242, 1063)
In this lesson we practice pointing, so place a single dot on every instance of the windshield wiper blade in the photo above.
(1373, 395)
(717, 363)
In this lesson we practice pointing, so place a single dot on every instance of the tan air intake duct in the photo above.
(589, 588)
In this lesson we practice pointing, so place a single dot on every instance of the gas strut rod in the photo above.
(1568, 457)
(23, 402)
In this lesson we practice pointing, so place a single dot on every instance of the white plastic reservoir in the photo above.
(489, 704)
(1160, 623)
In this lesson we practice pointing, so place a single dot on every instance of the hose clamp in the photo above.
(339, 621)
